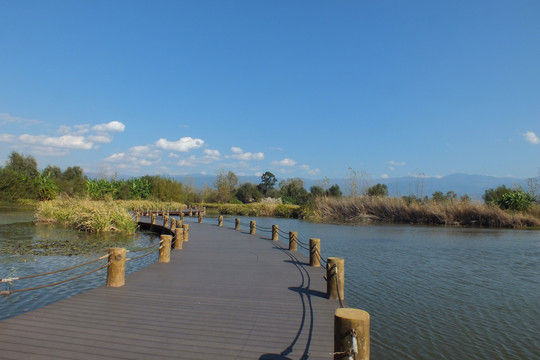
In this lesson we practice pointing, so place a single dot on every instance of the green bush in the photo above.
(515, 200)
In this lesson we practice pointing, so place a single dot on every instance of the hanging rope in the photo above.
(146, 248)
(53, 272)
(353, 349)
(141, 256)
(8, 292)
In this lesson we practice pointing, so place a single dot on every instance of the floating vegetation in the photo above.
(30, 239)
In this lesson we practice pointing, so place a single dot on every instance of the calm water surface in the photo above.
(433, 293)
(438, 293)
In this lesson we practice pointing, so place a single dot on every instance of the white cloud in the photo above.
(135, 157)
(309, 170)
(239, 154)
(531, 137)
(75, 130)
(65, 141)
(385, 176)
(209, 157)
(184, 144)
(113, 126)
(100, 138)
(7, 138)
(214, 154)
(191, 161)
(285, 162)
(396, 163)
(10, 119)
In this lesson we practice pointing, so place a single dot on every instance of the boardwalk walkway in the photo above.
(226, 295)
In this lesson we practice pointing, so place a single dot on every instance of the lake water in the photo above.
(432, 292)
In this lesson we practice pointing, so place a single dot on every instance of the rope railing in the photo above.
(145, 248)
(9, 292)
(9, 280)
(143, 255)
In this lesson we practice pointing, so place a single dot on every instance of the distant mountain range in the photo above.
(461, 184)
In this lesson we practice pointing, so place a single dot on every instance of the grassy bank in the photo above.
(257, 209)
(97, 216)
(396, 210)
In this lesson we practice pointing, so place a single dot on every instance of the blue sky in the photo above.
(299, 88)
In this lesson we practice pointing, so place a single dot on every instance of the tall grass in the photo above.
(258, 209)
(396, 210)
(87, 215)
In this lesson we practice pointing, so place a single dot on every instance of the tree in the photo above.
(438, 197)
(378, 190)
(334, 191)
(491, 196)
(73, 181)
(292, 191)
(248, 193)
(225, 184)
(24, 165)
(18, 178)
(316, 190)
(268, 180)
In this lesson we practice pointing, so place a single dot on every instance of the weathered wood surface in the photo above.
(225, 295)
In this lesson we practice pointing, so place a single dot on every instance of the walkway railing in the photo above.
(351, 326)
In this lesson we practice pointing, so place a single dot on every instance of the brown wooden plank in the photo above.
(227, 295)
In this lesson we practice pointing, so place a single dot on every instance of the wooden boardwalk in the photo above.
(226, 295)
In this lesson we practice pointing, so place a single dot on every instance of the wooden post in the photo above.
(335, 278)
(186, 232)
(314, 252)
(165, 249)
(200, 217)
(293, 240)
(190, 212)
(153, 217)
(116, 271)
(179, 223)
(252, 227)
(178, 238)
(275, 232)
(173, 225)
(351, 333)
(165, 220)
(220, 221)
(182, 215)
(237, 224)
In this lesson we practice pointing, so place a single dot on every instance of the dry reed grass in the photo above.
(396, 210)
(87, 215)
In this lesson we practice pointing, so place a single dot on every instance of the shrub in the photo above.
(515, 200)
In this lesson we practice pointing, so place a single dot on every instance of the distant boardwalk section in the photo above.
(226, 294)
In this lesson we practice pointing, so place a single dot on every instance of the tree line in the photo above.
(21, 179)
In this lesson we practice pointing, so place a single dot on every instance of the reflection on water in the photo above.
(432, 292)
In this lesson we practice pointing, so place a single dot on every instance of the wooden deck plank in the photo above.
(227, 295)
